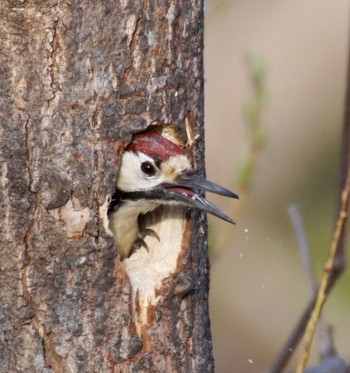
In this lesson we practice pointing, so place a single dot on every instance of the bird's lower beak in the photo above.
(187, 189)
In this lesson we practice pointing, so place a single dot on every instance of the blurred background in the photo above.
(258, 287)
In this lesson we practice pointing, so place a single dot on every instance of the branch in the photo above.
(327, 271)
(339, 260)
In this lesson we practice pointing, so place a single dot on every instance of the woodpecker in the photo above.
(154, 172)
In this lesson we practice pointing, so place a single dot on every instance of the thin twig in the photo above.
(339, 263)
(293, 340)
(295, 217)
(326, 347)
(322, 292)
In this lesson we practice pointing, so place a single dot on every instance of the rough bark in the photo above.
(78, 78)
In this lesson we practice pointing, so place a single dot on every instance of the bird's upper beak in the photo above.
(186, 189)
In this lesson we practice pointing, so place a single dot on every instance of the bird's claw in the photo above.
(140, 242)
(148, 232)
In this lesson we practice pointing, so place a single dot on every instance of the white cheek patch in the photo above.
(131, 178)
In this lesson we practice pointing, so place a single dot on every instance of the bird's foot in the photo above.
(140, 242)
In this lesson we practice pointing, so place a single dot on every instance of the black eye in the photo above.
(148, 168)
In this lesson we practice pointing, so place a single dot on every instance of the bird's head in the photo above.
(154, 168)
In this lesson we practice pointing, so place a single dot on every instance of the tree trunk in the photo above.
(77, 80)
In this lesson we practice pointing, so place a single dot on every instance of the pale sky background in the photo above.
(258, 287)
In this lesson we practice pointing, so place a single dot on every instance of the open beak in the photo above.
(187, 188)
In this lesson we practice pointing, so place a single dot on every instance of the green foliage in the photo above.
(257, 138)
(252, 116)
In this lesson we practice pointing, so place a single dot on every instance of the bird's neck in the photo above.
(123, 221)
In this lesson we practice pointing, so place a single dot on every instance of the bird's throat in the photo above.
(123, 222)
